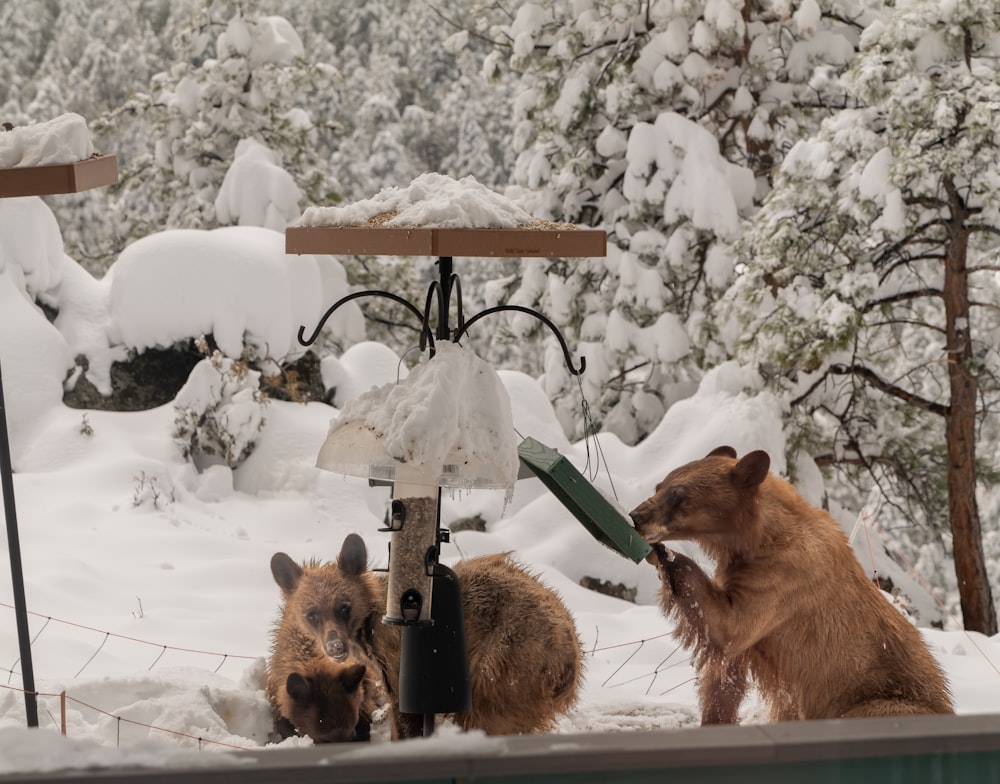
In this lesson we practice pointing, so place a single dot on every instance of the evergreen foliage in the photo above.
(882, 333)
(806, 185)
(660, 122)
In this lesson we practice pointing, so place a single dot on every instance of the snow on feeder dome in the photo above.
(447, 424)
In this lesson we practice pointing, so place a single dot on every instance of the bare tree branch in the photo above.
(910, 322)
(459, 27)
(902, 296)
(871, 378)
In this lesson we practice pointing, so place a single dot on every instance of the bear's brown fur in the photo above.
(326, 700)
(525, 659)
(789, 605)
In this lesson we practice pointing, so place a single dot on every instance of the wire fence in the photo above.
(64, 698)
(50, 622)
(106, 635)
(675, 658)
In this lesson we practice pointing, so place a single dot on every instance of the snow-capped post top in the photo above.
(429, 200)
(449, 422)
(436, 215)
(44, 159)
(64, 139)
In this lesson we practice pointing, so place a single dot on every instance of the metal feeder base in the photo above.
(434, 659)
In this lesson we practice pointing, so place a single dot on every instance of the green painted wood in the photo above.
(963, 749)
(968, 768)
(604, 522)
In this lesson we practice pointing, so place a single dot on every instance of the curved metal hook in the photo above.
(425, 330)
(456, 285)
(437, 287)
(540, 317)
(425, 317)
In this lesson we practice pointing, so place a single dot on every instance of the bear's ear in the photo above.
(751, 470)
(299, 688)
(286, 572)
(353, 558)
(352, 676)
(722, 451)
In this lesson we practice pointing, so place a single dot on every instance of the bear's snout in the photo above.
(335, 648)
(642, 520)
(336, 736)
(649, 520)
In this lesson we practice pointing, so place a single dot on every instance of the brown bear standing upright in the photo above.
(789, 605)
(525, 659)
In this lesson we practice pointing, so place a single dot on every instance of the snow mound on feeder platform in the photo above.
(434, 200)
(448, 423)
(64, 139)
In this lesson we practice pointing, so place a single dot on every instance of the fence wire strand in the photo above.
(637, 646)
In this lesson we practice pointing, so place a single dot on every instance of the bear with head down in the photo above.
(328, 701)
(788, 607)
(525, 658)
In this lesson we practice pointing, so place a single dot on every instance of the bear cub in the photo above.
(315, 687)
(525, 659)
(325, 701)
(788, 607)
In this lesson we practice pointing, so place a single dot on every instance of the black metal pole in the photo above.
(445, 266)
(434, 661)
(16, 572)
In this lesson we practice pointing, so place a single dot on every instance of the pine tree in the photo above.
(412, 100)
(84, 57)
(661, 123)
(26, 32)
(870, 290)
(244, 78)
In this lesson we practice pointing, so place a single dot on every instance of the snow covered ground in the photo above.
(148, 581)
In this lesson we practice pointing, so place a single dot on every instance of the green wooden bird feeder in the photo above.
(598, 515)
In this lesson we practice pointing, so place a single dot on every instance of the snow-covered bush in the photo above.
(219, 412)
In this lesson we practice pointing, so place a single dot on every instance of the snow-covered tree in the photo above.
(871, 285)
(82, 57)
(418, 99)
(412, 100)
(661, 122)
(25, 35)
(100, 54)
(237, 80)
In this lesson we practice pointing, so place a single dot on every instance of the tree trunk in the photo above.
(978, 611)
